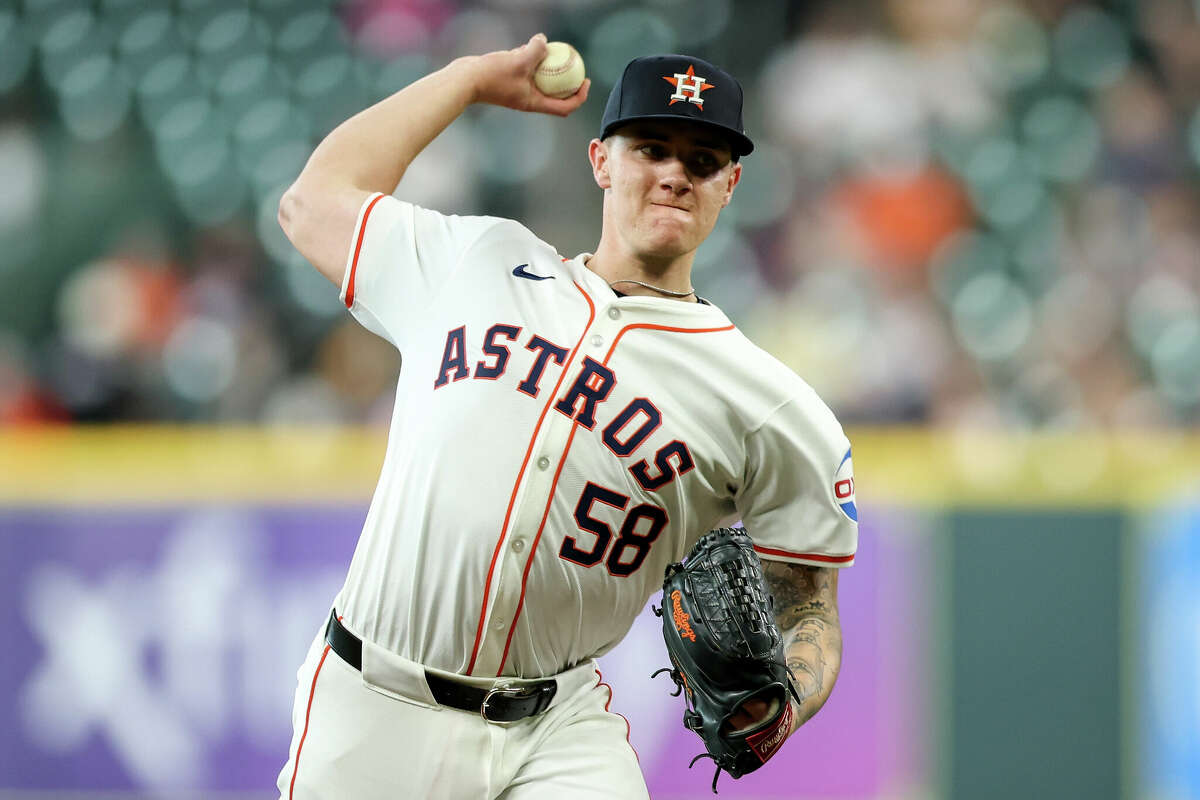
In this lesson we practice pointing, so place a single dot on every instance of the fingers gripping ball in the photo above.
(560, 73)
(726, 651)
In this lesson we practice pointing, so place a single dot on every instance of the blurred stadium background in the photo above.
(973, 226)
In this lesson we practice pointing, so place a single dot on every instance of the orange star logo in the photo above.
(688, 86)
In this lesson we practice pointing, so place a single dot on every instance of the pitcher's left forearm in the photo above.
(807, 615)
(813, 650)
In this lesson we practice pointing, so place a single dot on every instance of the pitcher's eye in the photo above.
(704, 164)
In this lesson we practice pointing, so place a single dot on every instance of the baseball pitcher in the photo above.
(566, 431)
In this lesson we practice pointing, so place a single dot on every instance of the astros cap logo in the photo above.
(688, 86)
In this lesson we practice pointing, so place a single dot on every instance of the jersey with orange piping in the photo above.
(554, 445)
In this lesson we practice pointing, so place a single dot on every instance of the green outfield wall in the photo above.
(1034, 692)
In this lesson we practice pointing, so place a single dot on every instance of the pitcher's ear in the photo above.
(735, 175)
(598, 152)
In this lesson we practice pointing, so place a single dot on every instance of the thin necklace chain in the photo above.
(668, 292)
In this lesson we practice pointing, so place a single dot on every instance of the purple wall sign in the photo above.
(155, 650)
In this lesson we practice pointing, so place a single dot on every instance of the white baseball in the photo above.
(560, 74)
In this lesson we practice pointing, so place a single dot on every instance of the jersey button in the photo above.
(498, 625)
(597, 340)
(543, 462)
(614, 313)
(518, 545)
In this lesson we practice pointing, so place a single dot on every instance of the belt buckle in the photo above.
(501, 689)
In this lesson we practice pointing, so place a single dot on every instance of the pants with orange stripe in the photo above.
(351, 740)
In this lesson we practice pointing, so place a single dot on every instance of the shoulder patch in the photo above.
(843, 487)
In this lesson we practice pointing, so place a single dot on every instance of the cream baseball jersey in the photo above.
(555, 445)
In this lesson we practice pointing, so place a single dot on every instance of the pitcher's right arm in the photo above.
(370, 151)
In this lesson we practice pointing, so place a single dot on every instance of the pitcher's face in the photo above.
(667, 183)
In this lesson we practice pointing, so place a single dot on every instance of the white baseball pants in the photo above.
(383, 737)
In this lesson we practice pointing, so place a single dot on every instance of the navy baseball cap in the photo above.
(673, 87)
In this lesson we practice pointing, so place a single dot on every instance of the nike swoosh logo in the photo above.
(521, 272)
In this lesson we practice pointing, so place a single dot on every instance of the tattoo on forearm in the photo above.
(809, 630)
(806, 610)
(808, 676)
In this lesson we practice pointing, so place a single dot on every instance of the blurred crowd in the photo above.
(959, 212)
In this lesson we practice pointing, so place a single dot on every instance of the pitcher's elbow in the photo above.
(289, 212)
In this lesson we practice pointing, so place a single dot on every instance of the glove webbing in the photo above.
(746, 615)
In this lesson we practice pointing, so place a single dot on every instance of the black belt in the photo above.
(499, 704)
